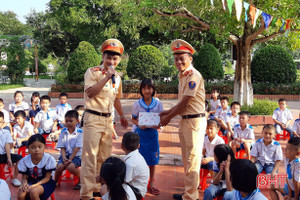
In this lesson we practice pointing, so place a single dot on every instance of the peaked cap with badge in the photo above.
(181, 46)
(113, 45)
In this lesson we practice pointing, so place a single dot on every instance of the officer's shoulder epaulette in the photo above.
(276, 109)
(276, 143)
(250, 127)
(228, 114)
(64, 129)
(97, 68)
(237, 125)
(257, 141)
(188, 73)
(297, 160)
(79, 130)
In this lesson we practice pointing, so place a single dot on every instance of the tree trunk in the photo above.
(243, 91)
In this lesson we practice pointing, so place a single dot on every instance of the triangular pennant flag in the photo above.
(229, 4)
(258, 12)
(238, 8)
(246, 6)
(212, 2)
(252, 13)
(223, 2)
(287, 23)
(287, 32)
(281, 28)
(274, 21)
(266, 18)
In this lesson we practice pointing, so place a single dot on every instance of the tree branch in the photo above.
(191, 29)
(233, 38)
(270, 37)
(183, 12)
(259, 31)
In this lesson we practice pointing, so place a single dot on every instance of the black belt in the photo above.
(98, 113)
(193, 116)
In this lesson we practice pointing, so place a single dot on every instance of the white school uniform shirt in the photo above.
(137, 171)
(294, 171)
(6, 115)
(209, 146)
(231, 119)
(128, 190)
(296, 126)
(214, 104)
(70, 141)
(220, 113)
(282, 115)
(5, 138)
(61, 110)
(4, 190)
(14, 108)
(255, 195)
(46, 119)
(247, 133)
(266, 154)
(23, 132)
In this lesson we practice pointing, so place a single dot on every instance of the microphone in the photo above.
(113, 78)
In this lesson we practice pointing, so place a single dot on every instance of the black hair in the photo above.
(213, 122)
(222, 151)
(235, 103)
(281, 100)
(113, 172)
(295, 141)
(1, 115)
(224, 98)
(34, 138)
(179, 53)
(79, 108)
(18, 92)
(1, 100)
(20, 113)
(45, 97)
(131, 141)
(206, 106)
(111, 53)
(72, 114)
(269, 127)
(243, 175)
(147, 82)
(35, 94)
(245, 113)
(63, 94)
(215, 89)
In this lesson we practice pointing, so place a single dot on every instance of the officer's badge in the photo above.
(96, 68)
(178, 45)
(192, 85)
(113, 44)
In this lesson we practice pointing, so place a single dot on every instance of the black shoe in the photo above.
(177, 196)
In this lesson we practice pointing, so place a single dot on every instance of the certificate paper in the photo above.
(149, 119)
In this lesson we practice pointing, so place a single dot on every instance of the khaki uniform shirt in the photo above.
(103, 101)
(191, 84)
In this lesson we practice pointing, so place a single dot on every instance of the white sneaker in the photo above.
(16, 182)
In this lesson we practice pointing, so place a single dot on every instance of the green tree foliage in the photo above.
(208, 62)
(10, 25)
(82, 58)
(273, 64)
(146, 62)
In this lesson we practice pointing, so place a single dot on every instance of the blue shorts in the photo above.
(76, 161)
(241, 147)
(286, 190)
(208, 166)
(268, 168)
(49, 188)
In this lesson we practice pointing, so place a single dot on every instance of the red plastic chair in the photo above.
(48, 142)
(240, 154)
(67, 178)
(5, 171)
(223, 137)
(284, 135)
(203, 176)
(219, 197)
(22, 151)
(52, 197)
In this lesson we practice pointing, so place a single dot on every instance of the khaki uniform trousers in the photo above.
(97, 146)
(191, 135)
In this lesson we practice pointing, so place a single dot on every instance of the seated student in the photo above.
(218, 187)
(80, 109)
(45, 121)
(6, 156)
(282, 117)
(243, 136)
(70, 142)
(112, 176)
(243, 175)
(137, 170)
(266, 153)
(6, 122)
(22, 129)
(222, 111)
(35, 105)
(36, 169)
(296, 127)
(4, 190)
(211, 140)
(18, 104)
(232, 119)
(62, 108)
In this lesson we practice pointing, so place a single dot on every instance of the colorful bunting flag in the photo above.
(212, 2)
(274, 21)
(287, 23)
(281, 28)
(229, 4)
(287, 32)
(258, 12)
(246, 6)
(266, 18)
(223, 2)
(238, 8)
(252, 13)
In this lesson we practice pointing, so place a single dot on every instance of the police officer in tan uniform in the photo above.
(100, 95)
(191, 108)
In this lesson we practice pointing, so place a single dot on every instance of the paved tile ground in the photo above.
(169, 174)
